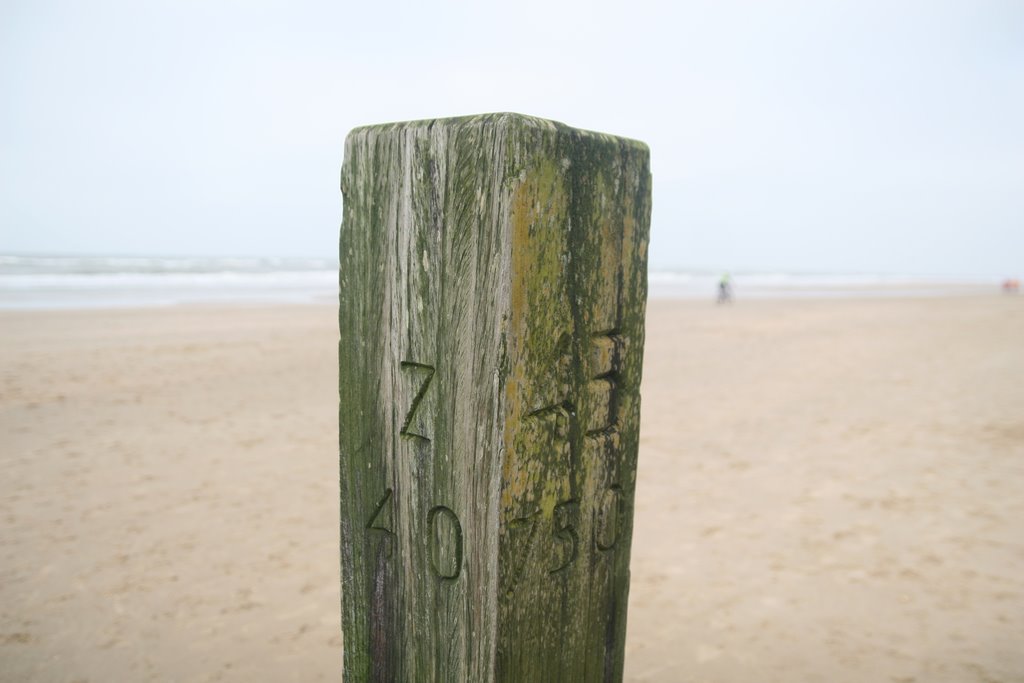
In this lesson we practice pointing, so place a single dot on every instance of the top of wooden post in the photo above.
(498, 120)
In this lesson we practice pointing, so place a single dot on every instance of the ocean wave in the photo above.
(48, 281)
(192, 280)
(155, 265)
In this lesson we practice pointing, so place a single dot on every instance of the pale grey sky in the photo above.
(825, 136)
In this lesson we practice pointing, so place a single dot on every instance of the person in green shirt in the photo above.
(724, 290)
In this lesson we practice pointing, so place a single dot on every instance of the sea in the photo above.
(51, 281)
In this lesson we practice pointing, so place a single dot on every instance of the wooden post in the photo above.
(493, 284)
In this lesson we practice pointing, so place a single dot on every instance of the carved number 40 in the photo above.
(444, 531)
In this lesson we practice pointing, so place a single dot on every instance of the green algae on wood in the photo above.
(492, 289)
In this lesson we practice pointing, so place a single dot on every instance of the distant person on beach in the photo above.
(724, 290)
(1011, 286)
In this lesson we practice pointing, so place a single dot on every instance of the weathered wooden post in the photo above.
(493, 285)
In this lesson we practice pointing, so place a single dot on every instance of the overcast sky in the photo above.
(822, 136)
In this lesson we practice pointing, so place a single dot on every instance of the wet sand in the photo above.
(828, 491)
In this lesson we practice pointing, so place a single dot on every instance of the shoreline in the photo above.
(58, 301)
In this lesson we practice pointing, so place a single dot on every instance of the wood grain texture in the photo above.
(492, 291)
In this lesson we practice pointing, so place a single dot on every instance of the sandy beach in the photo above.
(829, 490)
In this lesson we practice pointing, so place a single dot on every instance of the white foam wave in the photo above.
(46, 281)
